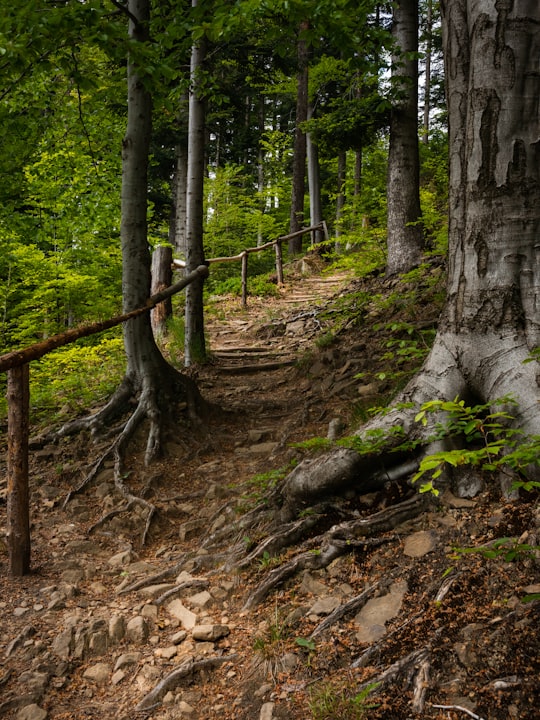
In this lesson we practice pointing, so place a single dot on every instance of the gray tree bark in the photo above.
(148, 375)
(299, 151)
(195, 344)
(314, 184)
(405, 240)
(490, 322)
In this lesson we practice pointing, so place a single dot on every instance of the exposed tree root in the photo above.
(172, 680)
(339, 540)
(195, 583)
(348, 608)
(407, 666)
(148, 408)
(458, 708)
(285, 537)
(154, 579)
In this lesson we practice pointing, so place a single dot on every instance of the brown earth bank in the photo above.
(399, 625)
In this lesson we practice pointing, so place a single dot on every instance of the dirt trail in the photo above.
(74, 643)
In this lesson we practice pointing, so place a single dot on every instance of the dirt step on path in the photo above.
(235, 345)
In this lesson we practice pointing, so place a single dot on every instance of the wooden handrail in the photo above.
(320, 226)
(17, 358)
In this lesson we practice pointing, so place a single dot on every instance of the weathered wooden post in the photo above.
(244, 255)
(279, 263)
(18, 501)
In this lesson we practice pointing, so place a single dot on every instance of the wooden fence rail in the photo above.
(243, 256)
(18, 392)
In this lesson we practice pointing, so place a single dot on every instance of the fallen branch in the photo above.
(172, 680)
(458, 708)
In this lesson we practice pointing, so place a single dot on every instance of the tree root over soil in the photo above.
(149, 404)
(153, 699)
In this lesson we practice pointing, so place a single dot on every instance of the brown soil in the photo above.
(281, 372)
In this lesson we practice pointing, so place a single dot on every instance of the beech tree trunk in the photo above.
(490, 322)
(405, 234)
(148, 375)
(177, 237)
(299, 152)
(195, 344)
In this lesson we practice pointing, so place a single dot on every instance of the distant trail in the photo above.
(240, 346)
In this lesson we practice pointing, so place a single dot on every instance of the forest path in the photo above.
(75, 642)
(271, 332)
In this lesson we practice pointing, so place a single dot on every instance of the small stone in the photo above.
(117, 628)
(325, 605)
(179, 637)
(150, 612)
(265, 688)
(311, 585)
(32, 712)
(168, 699)
(97, 588)
(137, 630)
(98, 674)
(20, 611)
(169, 652)
(200, 600)
(129, 658)
(178, 610)
(267, 711)
(185, 708)
(122, 558)
(210, 632)
(63, 644)
(117, 677)
(420, 544)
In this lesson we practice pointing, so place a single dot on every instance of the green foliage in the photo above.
(507, 549)
(328, 701)
(73, 379)
(491, 442)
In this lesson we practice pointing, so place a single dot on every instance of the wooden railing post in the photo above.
(279, 263)
(244, 278)
(18, 501)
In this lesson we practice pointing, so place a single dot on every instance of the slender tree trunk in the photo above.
(195, 346)
(178, 236)
(314, 184)
(405, 233)
(260, 167)
(299, 152)
(427, 81)
(161, 270)
(340, 195)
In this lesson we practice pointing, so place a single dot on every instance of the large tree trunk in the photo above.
(405, 235)
(148, 376)
(490, 322)
(195, 344)
(299, 151)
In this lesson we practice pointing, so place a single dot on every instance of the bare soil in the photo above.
(310, 361)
